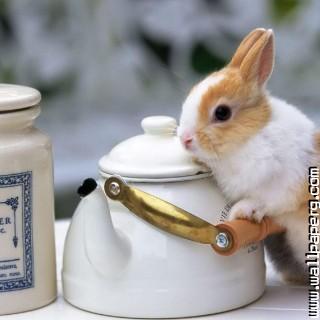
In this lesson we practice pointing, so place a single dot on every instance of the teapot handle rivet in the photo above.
(222, 240)
(114, 188)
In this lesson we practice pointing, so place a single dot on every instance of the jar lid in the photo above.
(157, 154)
(14, 97)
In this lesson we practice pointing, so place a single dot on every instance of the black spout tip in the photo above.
(87, 187)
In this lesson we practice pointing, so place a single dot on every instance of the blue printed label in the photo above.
(16, 253)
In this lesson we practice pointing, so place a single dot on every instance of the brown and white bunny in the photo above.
(258, 147)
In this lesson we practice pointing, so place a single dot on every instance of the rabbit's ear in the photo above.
(245, 46)
(258, 62)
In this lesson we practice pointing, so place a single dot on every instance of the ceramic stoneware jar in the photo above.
(116, 263)
(27, 252)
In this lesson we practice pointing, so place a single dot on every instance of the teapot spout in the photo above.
(107, 250)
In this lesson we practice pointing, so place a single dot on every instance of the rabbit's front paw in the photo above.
(246, 209)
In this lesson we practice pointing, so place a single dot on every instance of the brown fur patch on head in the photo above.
(250, 113)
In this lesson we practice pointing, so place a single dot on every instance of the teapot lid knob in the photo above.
(159, 125)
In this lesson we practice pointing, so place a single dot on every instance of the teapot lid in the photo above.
(156, 154)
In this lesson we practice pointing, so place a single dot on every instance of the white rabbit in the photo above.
(259, 148)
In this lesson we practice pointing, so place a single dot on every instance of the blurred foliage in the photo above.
(160, 49)
(61, 86)
(56, 17)
(7, 74)
(283, 9)
(57, 14)
(204, 61)
(6, 28)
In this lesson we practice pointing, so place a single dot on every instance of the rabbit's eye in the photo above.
(222, 113)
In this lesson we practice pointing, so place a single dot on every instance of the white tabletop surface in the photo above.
(279, 301)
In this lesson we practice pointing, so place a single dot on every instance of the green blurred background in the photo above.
(104, 65)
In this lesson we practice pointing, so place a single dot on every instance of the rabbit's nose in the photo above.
(187, 140)
(188, 143)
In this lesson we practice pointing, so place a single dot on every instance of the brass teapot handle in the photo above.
(225, 238)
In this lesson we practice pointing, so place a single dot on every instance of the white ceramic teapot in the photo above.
(118, 264)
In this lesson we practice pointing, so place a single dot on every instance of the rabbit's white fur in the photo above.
(191, 105)
(272, 163)
(263, 174)
(263, 168)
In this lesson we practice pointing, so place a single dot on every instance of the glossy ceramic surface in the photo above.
(156, 154)
(120, 265)
(117, 264)
(27, 254)
(14, 97)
